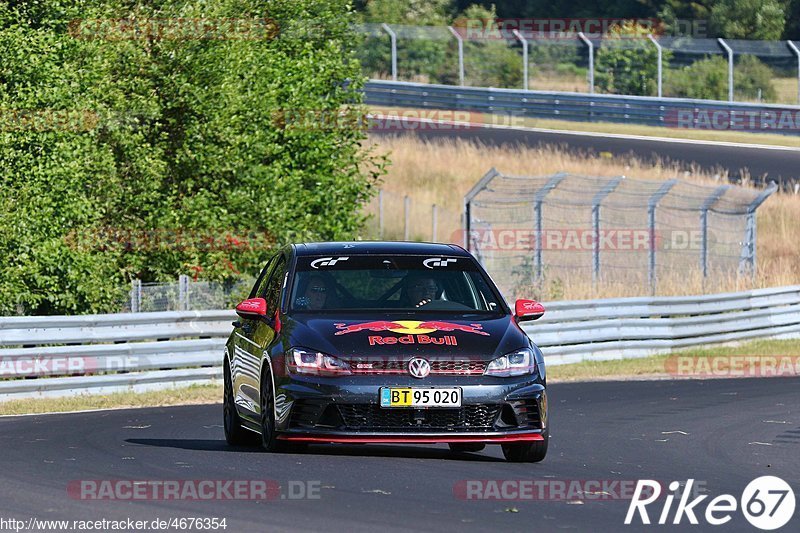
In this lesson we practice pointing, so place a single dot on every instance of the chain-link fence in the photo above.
(660, 65)
(185, 295)
(398, 217)
(580, 229)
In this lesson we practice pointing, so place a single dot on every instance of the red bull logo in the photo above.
(411, 331)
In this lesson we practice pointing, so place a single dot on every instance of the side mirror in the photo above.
(528, 310)
(252, 308)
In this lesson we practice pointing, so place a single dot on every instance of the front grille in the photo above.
(450, 367)
(371, 417)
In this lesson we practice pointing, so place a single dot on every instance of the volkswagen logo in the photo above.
(419, 368)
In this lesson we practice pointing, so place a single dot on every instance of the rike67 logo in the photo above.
(767, 502)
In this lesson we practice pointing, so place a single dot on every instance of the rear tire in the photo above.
(466, 447)
(235, 433)
(527, 452)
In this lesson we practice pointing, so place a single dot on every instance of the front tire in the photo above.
(235, 433)
(269, 437)
(527, 452)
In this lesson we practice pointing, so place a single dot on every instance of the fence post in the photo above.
(708, 203)
(748, 255)
(406, 209)
(591, 60)
(380, 214)
(660, 62)
(460, 55)
(538, 198)
(136, 296)
(524, 58)
(434, 214)
(393, 38)
(729, 51)
(797, 53)
(651, 226)
(183, 292)
(607, 189)
(473, 192)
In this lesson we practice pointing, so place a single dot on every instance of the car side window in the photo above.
(260, 284)
(273, 292)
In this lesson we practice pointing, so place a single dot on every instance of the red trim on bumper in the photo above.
(355, 439)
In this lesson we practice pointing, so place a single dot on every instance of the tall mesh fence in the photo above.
(569, 229)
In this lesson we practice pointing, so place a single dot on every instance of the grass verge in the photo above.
(657, 365)
(194, 394)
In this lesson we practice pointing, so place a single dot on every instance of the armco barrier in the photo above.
(143, 351)
(585, 107)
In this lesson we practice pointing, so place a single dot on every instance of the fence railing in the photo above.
(507, 104)
(145, 351)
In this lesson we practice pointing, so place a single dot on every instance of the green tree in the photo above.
(627, 63)
(708, 79)
(749, 19)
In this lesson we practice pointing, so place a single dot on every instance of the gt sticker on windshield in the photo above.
(434, 262)
(411, 331)
(326, 261)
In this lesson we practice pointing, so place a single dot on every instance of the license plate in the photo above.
(420, 397)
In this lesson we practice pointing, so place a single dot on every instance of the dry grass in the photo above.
(195, 394)
(442, 172)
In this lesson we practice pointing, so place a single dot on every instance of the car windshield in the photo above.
(392, 283)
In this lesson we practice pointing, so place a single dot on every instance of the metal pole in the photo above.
(748, 255)
(460, 55)
(660, 64)
(473, 192)
(651, 225)
(591, 60)
(729, 51)
(182, 286)
(797, 53)
(467, 225)
(434, 213)
(524, 59)
(538, 198)
(393, 37)
(380, 214)
(596, 201)
(406, 209)
(708, 203)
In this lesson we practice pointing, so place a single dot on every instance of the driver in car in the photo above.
(420, 290)
(316, 294)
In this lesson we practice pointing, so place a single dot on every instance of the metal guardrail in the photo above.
(584, 107)
(145, 351)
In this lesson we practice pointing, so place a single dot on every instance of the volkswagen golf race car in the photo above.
(383, 342)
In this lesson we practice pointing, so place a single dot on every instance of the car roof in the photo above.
(378, 248)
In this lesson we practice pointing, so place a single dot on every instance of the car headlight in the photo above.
(516, 363)
(304, 361)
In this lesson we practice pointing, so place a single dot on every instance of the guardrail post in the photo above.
(524, 58)
(460, 55)
(473, 192)
(729, 51)
(538, 198)
(434, 213)
(591, 60)
(406, 209)
(136, 295)
(748, 255)
(796, 53)
(607, 189)
(652, 203)
(393, 38)
(708, 203)
(660, 62)
(380, 214)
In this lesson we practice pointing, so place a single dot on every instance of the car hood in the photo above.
(431, 335)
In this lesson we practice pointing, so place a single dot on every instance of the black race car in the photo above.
(383, 342)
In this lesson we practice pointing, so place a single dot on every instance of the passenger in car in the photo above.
(419, 289)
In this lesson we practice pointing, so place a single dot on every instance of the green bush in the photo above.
(708, 79)
(627, 63)
(180, 136)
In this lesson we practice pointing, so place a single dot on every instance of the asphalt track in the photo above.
(763, 164)
(723, 433)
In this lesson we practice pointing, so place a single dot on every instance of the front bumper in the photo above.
(345, 410)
